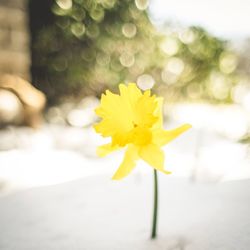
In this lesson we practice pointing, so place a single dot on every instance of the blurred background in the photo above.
(58, 56)
(56, 59)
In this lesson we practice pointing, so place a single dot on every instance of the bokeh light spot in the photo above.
(97, 14)
(127, 59)
(145, 82)
(170, 46)
(219, 86)
(175, 65)
(64, 4)
(228, 62)
(129, 30)
(78, 29)
(187, 36)
(141, 4)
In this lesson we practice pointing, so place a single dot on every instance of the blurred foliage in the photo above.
(245, 139)
(198, 65)
(92, 45)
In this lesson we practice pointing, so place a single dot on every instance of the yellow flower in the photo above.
(134, 119)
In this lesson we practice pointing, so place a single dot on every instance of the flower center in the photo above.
(141, 136)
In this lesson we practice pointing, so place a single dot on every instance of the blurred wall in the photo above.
(14, 38)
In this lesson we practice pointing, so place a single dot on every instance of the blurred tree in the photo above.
(92, 44)
(40, 19)
(198, 65)
(85, 46)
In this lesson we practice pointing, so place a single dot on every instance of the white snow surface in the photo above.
(97, 213)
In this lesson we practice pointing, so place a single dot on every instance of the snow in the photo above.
(56, 154)
(97, 213)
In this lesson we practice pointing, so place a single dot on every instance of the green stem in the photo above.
(154, 225)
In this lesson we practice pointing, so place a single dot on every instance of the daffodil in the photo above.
(133, 119)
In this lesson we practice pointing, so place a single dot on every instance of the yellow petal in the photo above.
(144, 110)
(154, 156)
(106, 149)
(130, 93)
(141, 106)
(158, 113)
(128, 163)
(162, 137)
(110, 110)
